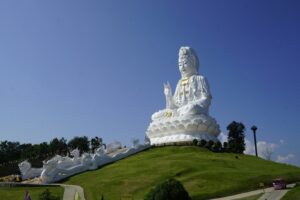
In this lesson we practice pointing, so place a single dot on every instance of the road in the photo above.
(274, 195)
(268, 194)
(70, 191)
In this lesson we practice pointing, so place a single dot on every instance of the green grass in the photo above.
(18, 193)
(77, 197)
(203, 173)
(292, 194)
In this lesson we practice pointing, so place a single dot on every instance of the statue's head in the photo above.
(75, 153)
(24, 166)
(188, 62)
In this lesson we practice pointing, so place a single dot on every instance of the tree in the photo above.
(209, 144)
(25, 150)
(44, 150)
(82, 143)
(59, 146)
(62, 146)
(46, 195)
(35, 151)
(171, 189)
(54, 145)
(10, 151)
(236, 137)
(217, 146)
(96, 142)
(202, 143)
(195, 142)
(225, 146)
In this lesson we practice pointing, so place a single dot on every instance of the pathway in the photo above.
(268, 194)
(276, 194)
(70, 191)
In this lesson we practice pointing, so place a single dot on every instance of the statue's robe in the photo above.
(192, 95)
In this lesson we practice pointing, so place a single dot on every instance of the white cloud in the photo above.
(249, 148)
(285, 159)
(264, 149)
(222, 137)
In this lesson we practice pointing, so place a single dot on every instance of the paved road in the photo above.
(269, 194)
(276, 194)
(70, 191)
(273, 195)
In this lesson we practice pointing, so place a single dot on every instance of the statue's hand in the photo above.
(167, 89)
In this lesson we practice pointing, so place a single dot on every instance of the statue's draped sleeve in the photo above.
(176, 95)
(205, 91)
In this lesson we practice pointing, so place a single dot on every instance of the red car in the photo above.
(279, 184)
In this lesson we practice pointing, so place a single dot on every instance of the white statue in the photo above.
(114, 146)
(186, 115)
(75, 153)
(27, 171)
(58, 167)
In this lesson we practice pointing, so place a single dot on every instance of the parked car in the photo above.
(279, 184)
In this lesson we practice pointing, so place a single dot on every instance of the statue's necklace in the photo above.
(184, 83)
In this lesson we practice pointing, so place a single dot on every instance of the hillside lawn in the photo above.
(292, 194)
(18, 193)
(203, 173)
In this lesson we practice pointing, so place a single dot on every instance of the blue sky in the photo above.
(97, 68)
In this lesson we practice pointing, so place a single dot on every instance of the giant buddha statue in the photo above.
(186, 115)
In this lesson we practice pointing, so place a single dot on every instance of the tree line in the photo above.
(235, 140)
(15, 151)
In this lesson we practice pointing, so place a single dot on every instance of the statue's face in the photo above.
(186, 65)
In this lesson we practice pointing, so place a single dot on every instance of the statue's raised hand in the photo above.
(167, 89)
(169, 97)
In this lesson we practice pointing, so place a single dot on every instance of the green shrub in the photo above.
(46, 195)
(171, 189)
(216, 147)
(209, 144)
(225, 146)
(195, 141)
(202, 143)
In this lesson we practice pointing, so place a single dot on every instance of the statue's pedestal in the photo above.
(182, 129)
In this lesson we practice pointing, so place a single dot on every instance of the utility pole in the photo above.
(254, 128)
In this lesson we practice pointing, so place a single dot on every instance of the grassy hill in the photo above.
(203, 173)
(18, 193)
